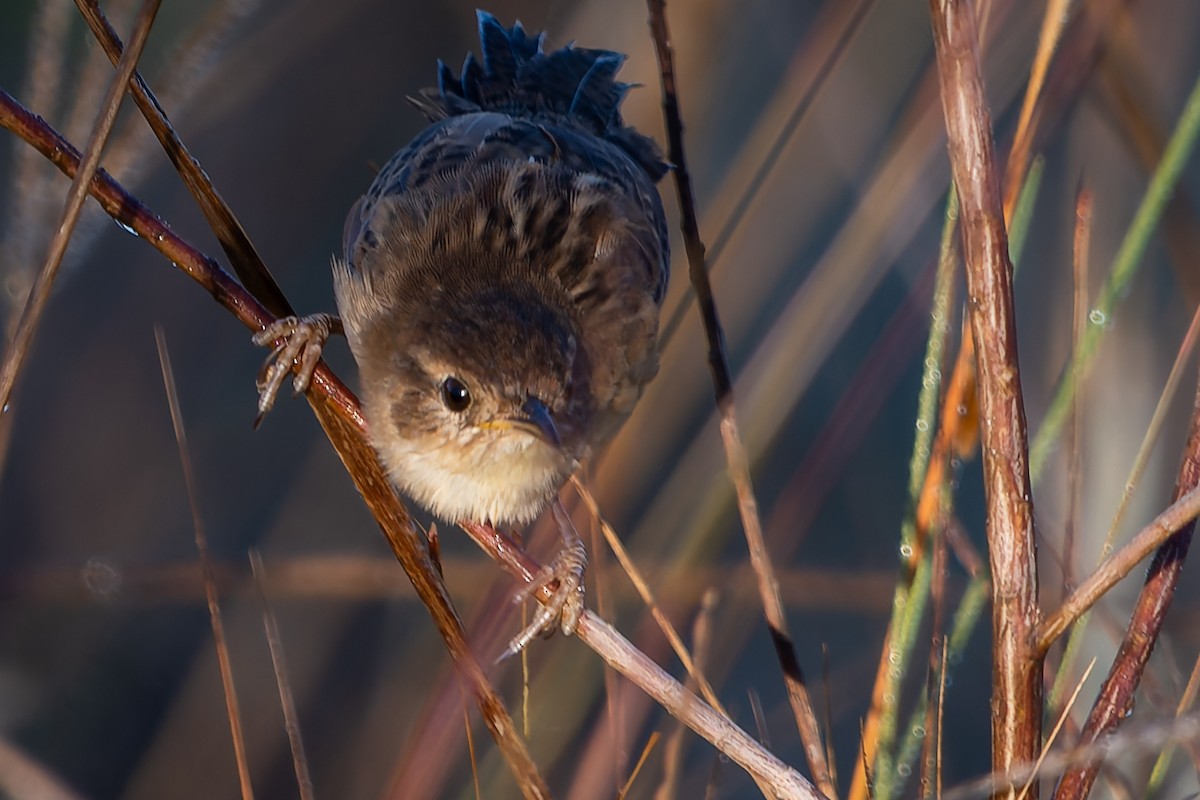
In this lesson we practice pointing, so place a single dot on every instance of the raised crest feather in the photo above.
(574, 85)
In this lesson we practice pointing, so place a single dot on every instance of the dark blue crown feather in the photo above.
(574, 85)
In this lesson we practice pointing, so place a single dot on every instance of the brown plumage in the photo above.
(502, 279)
(500, 290)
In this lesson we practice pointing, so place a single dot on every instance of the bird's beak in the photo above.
(535, 419)
(538, 421)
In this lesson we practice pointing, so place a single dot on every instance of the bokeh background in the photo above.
(108, 677)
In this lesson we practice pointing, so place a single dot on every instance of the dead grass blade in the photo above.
(641, 762)
(232, 708)
(735, 454)
(1053, 737)
(287, 701)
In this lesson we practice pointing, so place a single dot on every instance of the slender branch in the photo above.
(232, 706)
(1170, 522)
(287, 700)
(1016, 671)
(735, 452)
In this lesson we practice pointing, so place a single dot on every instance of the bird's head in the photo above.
(476, 396)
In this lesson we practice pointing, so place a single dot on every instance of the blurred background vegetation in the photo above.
(108, 677)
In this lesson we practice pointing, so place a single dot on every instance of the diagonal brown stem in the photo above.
(735, 453)
(1115, 700)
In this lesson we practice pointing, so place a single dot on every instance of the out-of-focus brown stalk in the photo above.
(1016, 666)
(1074, 436)
(735, 453)
(232, 706)
(287, 699)
(1115, 700)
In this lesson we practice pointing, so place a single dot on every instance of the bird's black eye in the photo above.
(455, 395)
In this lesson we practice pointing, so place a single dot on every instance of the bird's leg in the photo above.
(565, 607)
(295, 339)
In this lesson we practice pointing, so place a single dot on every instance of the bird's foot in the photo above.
(565, 607)
(296, 340)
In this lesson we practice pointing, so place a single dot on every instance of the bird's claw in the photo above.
(298, 342)
(564, 608)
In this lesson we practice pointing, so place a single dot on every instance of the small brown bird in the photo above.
(500, 289)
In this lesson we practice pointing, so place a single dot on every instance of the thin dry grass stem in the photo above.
(287, 701)
(192, 60)
(614, 710)
(643, 589)
(673, 751)
(1016, 675)
(641, 762)
(229, 232)
(958, 428)
(1110, 572)
(1182, 359)
(863, 776)
(735, 454)
(347, 434)
(1058, 726)
(827, 713)
(471, 753)
(964, 549)
(23, 777)
(940, 739)
(695, 674)
(1116, 698)
(1074, 443)
(782, 780)
(760, 717)
(937, 642)
(232, 708)
(1054, 21)
(338, 412)
(22, 338)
